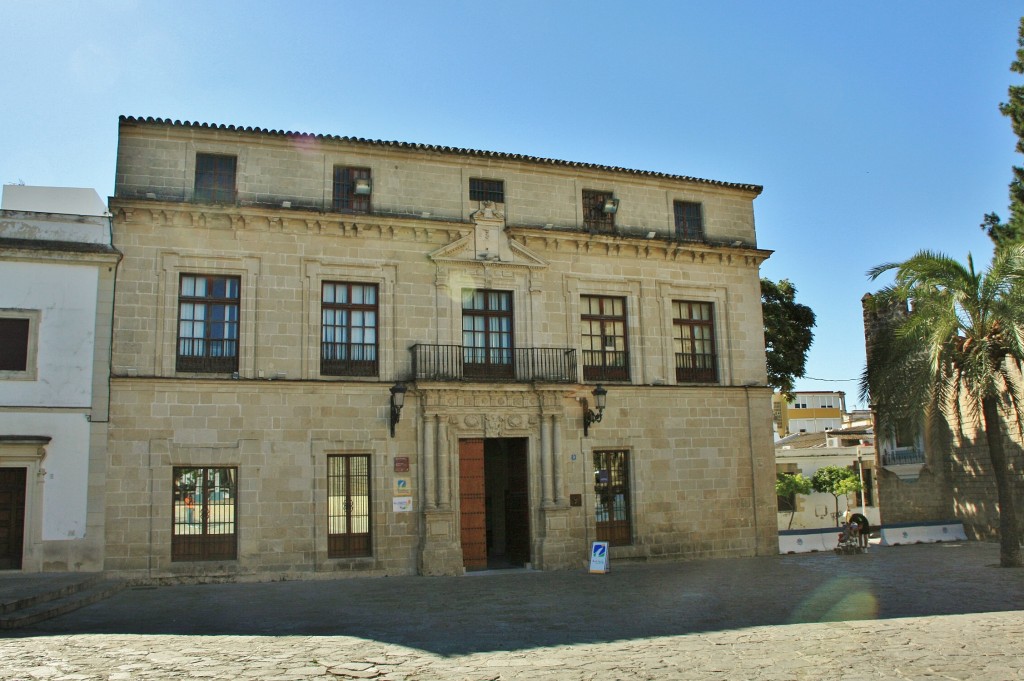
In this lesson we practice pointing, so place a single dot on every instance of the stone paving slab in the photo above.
(916, 612)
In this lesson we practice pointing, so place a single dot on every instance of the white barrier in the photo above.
(809, 541)
(926, 533)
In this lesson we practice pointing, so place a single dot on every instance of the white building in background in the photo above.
(57, 270)
(805, 453)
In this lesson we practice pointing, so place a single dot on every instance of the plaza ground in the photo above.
(923, 611)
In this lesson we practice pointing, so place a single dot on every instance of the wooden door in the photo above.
(12, 517)
(472, 505)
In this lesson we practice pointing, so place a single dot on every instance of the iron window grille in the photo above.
(215, 178)
(486, 190)
(605, 344)
(612, 507)
(595, 218)
(204, 506)
(694, 338)
(689, 221)
(14, 339)
(348, 340)
(348, 506)
(487, 322)
(208, 324)
(346, 198)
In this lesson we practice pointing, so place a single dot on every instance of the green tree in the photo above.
(787, 334)
(957, 355)
(787, 486)
(1013, 229)
(837, 481)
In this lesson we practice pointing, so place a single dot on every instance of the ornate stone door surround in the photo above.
(450, 413)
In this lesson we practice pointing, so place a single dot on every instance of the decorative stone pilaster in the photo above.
(441, 553)
(555, 550)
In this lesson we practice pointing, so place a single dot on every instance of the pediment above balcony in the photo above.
(488, 244)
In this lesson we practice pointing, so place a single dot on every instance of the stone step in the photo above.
(29, 610)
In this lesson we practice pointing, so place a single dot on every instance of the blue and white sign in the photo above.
(599, 557)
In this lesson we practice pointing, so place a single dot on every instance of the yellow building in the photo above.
(335, 356)
(808, 412)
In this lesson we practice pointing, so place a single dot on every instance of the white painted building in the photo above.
(805, 453)
(57, 270)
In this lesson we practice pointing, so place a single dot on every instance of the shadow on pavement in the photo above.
(522, 610)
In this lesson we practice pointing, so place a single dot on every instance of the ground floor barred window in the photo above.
(203, 508)
(612, 505)
(348, 506)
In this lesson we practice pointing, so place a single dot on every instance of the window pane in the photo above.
(350, 311)
(204, 347)
(612, 497)
(14, 339)
(204, 503)
(348, 506)
(693, 333)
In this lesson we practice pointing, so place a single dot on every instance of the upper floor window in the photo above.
(487, 333)
(599, 210)
(208, 323)
(348, 340)
(694, 337)
(14, 344)
(689, 221)
(352, 189)
(486, 190)
(605, 348)
(215, 178)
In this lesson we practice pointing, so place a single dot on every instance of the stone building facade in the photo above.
(939, 472)
(282, 294)
(56, 301)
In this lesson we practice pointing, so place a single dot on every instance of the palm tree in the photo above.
(959, 353)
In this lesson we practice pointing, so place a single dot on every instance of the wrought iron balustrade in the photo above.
(523, 365)
(605, 365)
(902, 456)
(696, 368)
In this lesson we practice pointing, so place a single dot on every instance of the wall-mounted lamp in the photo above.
(589, 416)
(610, 206)
(397, 402)
(362, 186)
(651, 235)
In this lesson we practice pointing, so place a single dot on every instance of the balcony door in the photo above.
(487, 334)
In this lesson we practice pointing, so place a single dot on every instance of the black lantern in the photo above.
(397, 402)
(589, 415)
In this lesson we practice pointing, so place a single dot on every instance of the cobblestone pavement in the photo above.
(916, 612)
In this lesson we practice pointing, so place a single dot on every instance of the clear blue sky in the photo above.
(873, 126)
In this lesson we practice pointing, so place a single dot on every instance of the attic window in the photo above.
(486, 190)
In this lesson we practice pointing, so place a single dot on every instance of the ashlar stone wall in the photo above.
(701, 456)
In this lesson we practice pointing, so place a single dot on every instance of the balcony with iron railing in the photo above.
(518, 365)
(605, 365)
(902, 456)
(696, 368)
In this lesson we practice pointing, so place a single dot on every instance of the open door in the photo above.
(494, 500)
(12, 517)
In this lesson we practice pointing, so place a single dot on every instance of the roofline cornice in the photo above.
(431, 148)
